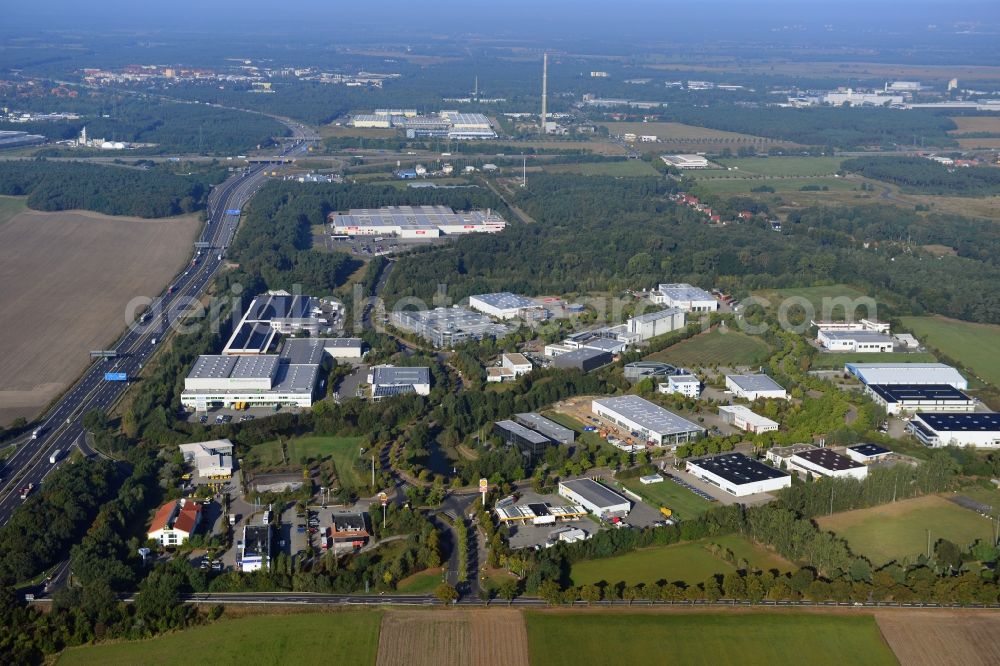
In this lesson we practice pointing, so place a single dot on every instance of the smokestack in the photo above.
(545, 88)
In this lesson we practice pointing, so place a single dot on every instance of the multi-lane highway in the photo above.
(61, 427)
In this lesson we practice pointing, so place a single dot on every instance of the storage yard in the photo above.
(57, 287)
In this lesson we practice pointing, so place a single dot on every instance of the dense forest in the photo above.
(840, 127)
(114, 190)
(173, 127)
(917, 174)
(594, 234)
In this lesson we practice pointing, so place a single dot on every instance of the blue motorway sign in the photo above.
(232, 211)
(115, 377)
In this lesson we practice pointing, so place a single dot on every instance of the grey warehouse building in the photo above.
(531, 443)
(583, 359)
(547, 427)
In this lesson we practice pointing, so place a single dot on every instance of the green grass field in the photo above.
(690, 562)
(896, 531)
(836, 360)
(424, 582)
(780, 166)
(342, 637)
(977, 346)
(728, 348)
(11, 206)
(684, 503)
(628, 168)
(751, 639)
(343, 450)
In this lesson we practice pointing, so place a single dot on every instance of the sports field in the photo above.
(341, 637)
(66, 279)
(715, 347)
(684, 503)
(668, 638)
(900, 530)
(343, 450)
(977, 346)
(628, 168)
(690, 562)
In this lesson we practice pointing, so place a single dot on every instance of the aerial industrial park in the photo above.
(423, 336)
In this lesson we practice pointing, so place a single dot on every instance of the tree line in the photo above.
(918, 174)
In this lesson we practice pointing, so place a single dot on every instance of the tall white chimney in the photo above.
(545, 89)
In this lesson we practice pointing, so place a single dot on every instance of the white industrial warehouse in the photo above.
(752, 387)
(827, 462)
(414, 222)
(978, 429)
(652, 324)
(595, 497)
(686, 297)
(389, 380)
(503, 305)
(854, 341)
(738, 474)
(747, 420)
(907, 373)
(653, 423)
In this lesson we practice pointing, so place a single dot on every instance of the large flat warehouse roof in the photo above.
(906, 373)
(505, 300)
(651, 417)
(737, 468)
(962, 422)
(893, 393)
(594, 492)
(755, 383)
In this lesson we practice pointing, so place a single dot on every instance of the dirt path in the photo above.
(488, 637)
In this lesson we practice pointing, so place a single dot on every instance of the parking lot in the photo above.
(219, 416)
(348, 387)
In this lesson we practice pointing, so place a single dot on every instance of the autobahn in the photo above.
(61, 427)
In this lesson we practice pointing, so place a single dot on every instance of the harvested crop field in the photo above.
(942, 638)
(493, 637)
(66, 280)
(976, 124)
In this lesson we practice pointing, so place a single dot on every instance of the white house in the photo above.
(175, 522)
(517, 363)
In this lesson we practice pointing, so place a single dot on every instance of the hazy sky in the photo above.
(562, 18)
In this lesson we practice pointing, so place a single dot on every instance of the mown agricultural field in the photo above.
(751, 639)
(344, 637)
(976, 346)
(900, 530)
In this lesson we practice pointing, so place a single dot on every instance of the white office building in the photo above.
(267, 380)
(687, 385)
(517, 363)
(685, 297)
(211, 460)
(752, 387)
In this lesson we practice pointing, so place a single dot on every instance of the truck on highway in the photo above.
(36, 432)
(26, 490)
(55, 456)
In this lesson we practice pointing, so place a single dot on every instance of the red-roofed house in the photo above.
(746, 215)
(175, 522)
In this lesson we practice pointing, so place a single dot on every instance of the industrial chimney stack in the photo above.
(545, 89)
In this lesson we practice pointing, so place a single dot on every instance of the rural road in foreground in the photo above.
(61, 426)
